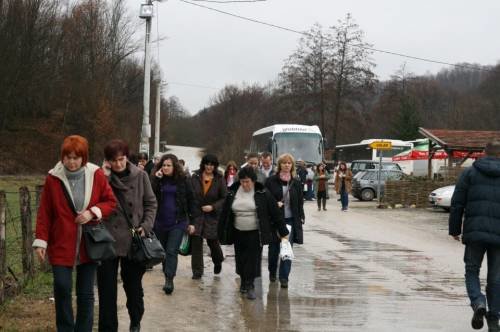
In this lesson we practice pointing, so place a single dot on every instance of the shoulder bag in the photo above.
(146, 250)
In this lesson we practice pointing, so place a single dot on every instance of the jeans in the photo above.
(170, 240)
(285, 266)
(107, 284)
(344, 199)
(63, 281)
(197, 253)
(473, 258)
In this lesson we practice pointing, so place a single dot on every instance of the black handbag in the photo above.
(98, 242)
(147, 250)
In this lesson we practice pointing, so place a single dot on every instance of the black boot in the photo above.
(169, 285)
(135, 327)
(492, 323)
(243, 286)
(477, 321)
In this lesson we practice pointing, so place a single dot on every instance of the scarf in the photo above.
(285, 176)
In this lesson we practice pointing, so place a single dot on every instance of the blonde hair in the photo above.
(287, 157)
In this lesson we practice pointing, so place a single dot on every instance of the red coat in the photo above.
(56, 229)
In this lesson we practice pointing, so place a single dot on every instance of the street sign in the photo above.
(381, 145)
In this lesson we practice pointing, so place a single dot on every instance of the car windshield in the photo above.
(305, 146)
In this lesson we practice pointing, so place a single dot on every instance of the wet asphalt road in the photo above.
(364, 270)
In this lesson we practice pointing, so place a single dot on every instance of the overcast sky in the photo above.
(210, 49)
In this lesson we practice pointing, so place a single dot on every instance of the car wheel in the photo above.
(367, 195)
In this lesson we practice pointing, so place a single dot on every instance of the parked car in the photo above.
(441, 197)
(363, 165)
(364, 184)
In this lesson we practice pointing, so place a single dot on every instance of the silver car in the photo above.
(364, 184)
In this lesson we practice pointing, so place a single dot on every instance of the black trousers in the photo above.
(107, 284)
(248, 254)
(197, 253)
(321, 199)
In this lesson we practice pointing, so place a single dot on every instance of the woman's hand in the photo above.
(159, 174)
(190, 229)
(106, 167)
(280, 204)
(207, 208)
(284, 238)
(40, 253)
(84, 217)
(141, 231)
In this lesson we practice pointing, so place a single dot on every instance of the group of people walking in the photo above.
(262, 206)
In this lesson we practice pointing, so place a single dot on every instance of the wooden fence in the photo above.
(17, 263)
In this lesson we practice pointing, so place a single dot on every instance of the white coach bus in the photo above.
(302, 142)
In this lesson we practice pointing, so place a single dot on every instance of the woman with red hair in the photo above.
(76, 192)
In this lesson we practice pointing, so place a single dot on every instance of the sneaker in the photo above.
(217, 268)
(168, 288)
(284, 283)
(492, 323)
(479, 313)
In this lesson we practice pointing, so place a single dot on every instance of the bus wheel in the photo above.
(367, 195)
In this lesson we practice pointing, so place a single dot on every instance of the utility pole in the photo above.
(146, 13)
(157, 118)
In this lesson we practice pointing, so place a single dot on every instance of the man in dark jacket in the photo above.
(477, 195)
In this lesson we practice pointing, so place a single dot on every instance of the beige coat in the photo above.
(348, 181)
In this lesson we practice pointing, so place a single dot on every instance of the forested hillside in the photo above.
(67, 69)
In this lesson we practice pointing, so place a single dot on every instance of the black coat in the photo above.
(477, 195)
(183, 197)
(268, 214)
(206, 223)
(275, 186)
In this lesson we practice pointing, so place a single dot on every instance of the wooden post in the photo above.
(27, 232)
(3, 252)
(44, 266)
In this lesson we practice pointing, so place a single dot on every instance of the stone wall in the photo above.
(412, 192)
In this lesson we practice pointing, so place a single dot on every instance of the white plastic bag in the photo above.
(286, 252)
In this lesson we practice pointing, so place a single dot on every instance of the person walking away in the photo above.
(321, 178)
(343, 184)
(175, 198)
(75, 193)
(287, 190)
(248, 218)
(230, 174)
(137, 206)
(475, 214)
(209, 192)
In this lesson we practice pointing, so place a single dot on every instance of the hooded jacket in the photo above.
(56, 229)
(477, 196)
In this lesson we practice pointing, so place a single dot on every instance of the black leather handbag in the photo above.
(98, 242)
(146, 250)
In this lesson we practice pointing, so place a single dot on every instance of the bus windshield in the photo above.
(305, 146)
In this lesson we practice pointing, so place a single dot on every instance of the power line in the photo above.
(355, 45)
(193, 85)
(230, 1)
